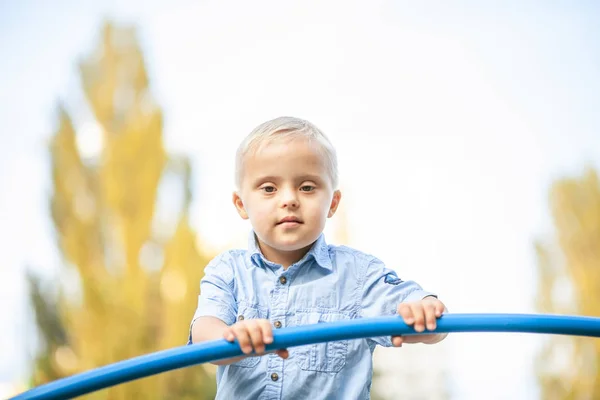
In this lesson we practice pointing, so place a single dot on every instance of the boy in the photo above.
(286, 176)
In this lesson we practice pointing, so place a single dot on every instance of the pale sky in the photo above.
(450, 124)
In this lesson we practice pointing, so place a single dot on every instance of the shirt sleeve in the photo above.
(383, 290)
(216, 297)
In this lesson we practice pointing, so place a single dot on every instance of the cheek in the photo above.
(258, 210)
(320, 208)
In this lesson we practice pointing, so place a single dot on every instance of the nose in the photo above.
(289, 199)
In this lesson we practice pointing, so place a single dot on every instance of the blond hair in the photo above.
(286, 128)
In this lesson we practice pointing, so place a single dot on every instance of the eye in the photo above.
(268, 189)
(307, 188)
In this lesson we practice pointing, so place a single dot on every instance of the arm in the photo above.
(208, 328)
(423, 315)
(211, 328)
(252, 335)
(217, 306)
(215, 317)
(384, 293)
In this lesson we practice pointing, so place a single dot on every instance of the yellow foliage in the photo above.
(110, 237)
(569, 283)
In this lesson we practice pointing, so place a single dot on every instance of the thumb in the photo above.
(397, 341)
(283, 353)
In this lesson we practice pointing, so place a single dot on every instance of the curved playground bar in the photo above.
(184, 356)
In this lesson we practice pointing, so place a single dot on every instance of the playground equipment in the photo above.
(184, 356)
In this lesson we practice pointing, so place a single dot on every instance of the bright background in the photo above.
(450, 121)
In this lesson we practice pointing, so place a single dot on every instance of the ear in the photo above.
(239, 205)
(335, 202)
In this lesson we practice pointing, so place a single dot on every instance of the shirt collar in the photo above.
(319, 252)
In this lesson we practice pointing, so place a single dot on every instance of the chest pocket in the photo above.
(245, 312)
(320, 357)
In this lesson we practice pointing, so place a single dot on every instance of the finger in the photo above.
(439, 308)
(256, 337)
(397, 341)
(406, 313)
(267, 331)
(283, 353)
(243, 337)
(430, 318)
(419, 316)
(228, 335)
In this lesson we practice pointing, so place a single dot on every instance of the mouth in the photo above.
(289, 220)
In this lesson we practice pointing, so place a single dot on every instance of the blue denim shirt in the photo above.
(331, 283)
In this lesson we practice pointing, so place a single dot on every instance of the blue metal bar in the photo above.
(184, 356)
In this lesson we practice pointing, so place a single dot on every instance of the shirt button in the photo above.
(282, 280)
(241, 318)
(277, 324)
(274, 377)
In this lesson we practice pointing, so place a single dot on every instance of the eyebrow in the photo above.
(310, 178)
(265, 179)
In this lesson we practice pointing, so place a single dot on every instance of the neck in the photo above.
(283, 258)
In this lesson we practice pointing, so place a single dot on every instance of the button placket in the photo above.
(279, 295)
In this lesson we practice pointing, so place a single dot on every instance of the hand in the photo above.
(421, 314)
(253, 334)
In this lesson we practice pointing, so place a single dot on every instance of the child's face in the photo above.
(287, 194)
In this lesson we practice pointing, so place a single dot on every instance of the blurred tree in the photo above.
(136, 273)
(569, 283)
